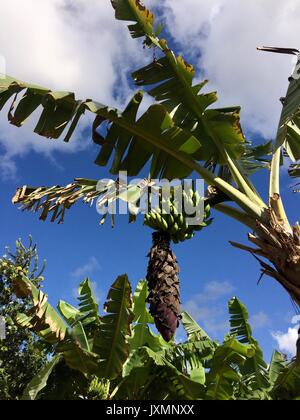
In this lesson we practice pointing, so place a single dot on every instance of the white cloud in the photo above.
(287, 340)
(212, 319)
(205, 307)
(96, 291)
(259, 320)
(8, 168)
(227, 32)
(213, 291)
(296, 319)
(86, 269)
(69, 45)
(78, 45)
(208, 308)
(65, 45)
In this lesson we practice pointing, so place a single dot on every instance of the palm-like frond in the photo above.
(54, 201)
(193, 329)
(39, 382)
(287, 385)
(111, 339)
(169, 80)
(172, 383)
(256, 158)
(225, 366)
(41, 318)
(154, 137)
(71, 343)
(88, 305)
(87, 313)
(194, 353)
(77, 351)
(126, 134)
(254, 369)
(135, 11)
(277, 366)
(289, 126)
(196, 369)
(141, 332)
(191, 124)
(171, 137)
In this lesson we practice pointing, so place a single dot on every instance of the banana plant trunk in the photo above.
(281, 247)
(164, 286)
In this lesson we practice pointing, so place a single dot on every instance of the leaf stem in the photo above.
(192, 99)
(237, 196)
(275, 200)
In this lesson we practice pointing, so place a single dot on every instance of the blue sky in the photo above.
(211, 270)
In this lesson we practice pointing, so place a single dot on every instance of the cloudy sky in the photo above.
(78, 46)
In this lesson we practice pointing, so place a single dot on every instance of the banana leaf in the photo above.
(111, 339)
(41, 317)
(141, 332)
(289, 126)
(224, 372)
(255, 368)
(39, 382)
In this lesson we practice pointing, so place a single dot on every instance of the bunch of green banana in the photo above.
(169, 217)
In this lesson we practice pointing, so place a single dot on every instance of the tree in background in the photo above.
(22, 354)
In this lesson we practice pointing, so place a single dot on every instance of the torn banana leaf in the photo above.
(41, 317)
(121, 135)
(289, 126)
(54, 201)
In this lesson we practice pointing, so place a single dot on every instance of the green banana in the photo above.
(180, 220)
(174, 229)
(171, 220)
(175, 221)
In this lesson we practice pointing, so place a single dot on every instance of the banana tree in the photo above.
(80, 335)
(181, 134)
(106, 349)
(117, 356)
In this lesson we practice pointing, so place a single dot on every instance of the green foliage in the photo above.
(142, 334)
(174, 135)
(225, 367)
(41, 318)
(117, 356)
(65, 383)
(277, 366)
(134, 11)
(287, 384)
(254, 369)
(111, 340)
(21, 353)
(40, 380)
(179, 134)
(89, 343)
(88, 306)
(289, 125)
